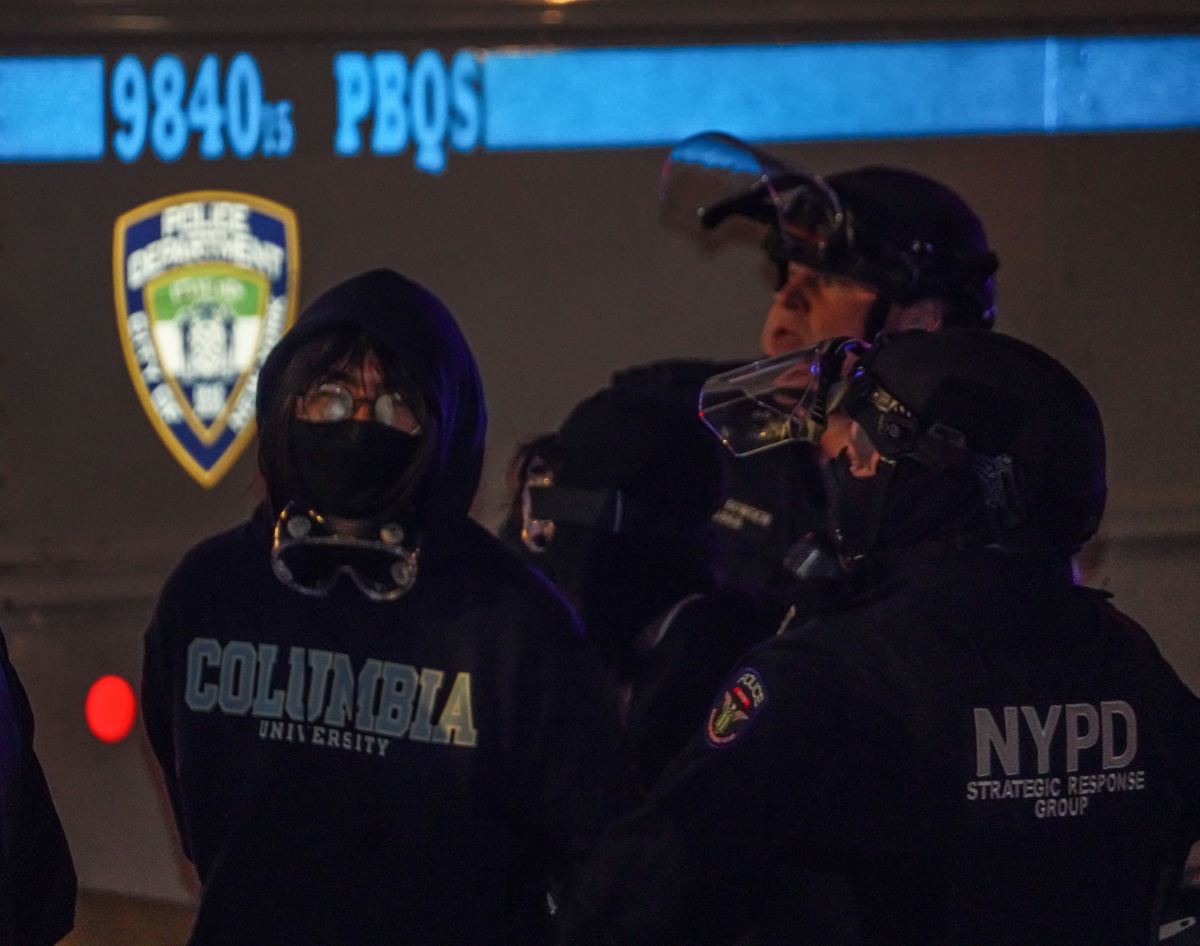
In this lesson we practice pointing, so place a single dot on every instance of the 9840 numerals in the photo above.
(166, 108)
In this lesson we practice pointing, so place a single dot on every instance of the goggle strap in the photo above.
(942, 447)
(608, 510)
(585, 507)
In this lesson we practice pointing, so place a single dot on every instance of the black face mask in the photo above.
(349, 468)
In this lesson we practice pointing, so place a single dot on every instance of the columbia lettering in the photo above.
(320, 692)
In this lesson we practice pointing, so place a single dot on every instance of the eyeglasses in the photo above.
(309, 557)
(331, 402)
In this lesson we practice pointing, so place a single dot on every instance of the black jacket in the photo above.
(37, 878)
(349, 771)
(674, 666)
(979, 753)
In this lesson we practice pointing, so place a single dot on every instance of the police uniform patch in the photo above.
(736, 707)
(205, 285)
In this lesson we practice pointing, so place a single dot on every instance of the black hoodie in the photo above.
(350, 771)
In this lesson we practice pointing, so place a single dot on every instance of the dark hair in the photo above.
(316, 359)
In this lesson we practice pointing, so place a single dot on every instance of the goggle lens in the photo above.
(309, 557)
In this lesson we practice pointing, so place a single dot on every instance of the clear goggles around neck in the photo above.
(781, 399)
(308, 556)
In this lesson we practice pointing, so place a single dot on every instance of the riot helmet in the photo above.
(981, 439)
(905, 235)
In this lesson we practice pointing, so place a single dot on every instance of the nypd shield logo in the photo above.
(205, 285)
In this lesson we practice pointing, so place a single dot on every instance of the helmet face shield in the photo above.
(894, 231)
(712, 182)
(788, 397)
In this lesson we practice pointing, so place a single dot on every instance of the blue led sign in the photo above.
(51, 108)
(425, 102)
(605, 98)
(164, 108)
(54, 108)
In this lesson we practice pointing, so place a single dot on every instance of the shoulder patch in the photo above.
(736, 707)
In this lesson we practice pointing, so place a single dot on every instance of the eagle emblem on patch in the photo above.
(736, 707)
(205, 285)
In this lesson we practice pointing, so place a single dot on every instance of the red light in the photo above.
(742, 696)
(110, 708)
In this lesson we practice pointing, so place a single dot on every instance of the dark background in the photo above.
(559, 272)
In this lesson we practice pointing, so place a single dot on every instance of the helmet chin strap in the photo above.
(1001, 490)
(855, 538)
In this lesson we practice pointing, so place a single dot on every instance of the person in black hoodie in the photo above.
(979, 750)
(37, 877)
(375, 724)
(616, 507)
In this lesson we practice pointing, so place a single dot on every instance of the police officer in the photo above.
(37, 877)
(375, 725)
(852, 253)
(981, 750)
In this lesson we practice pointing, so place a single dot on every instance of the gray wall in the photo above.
(559, 272)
